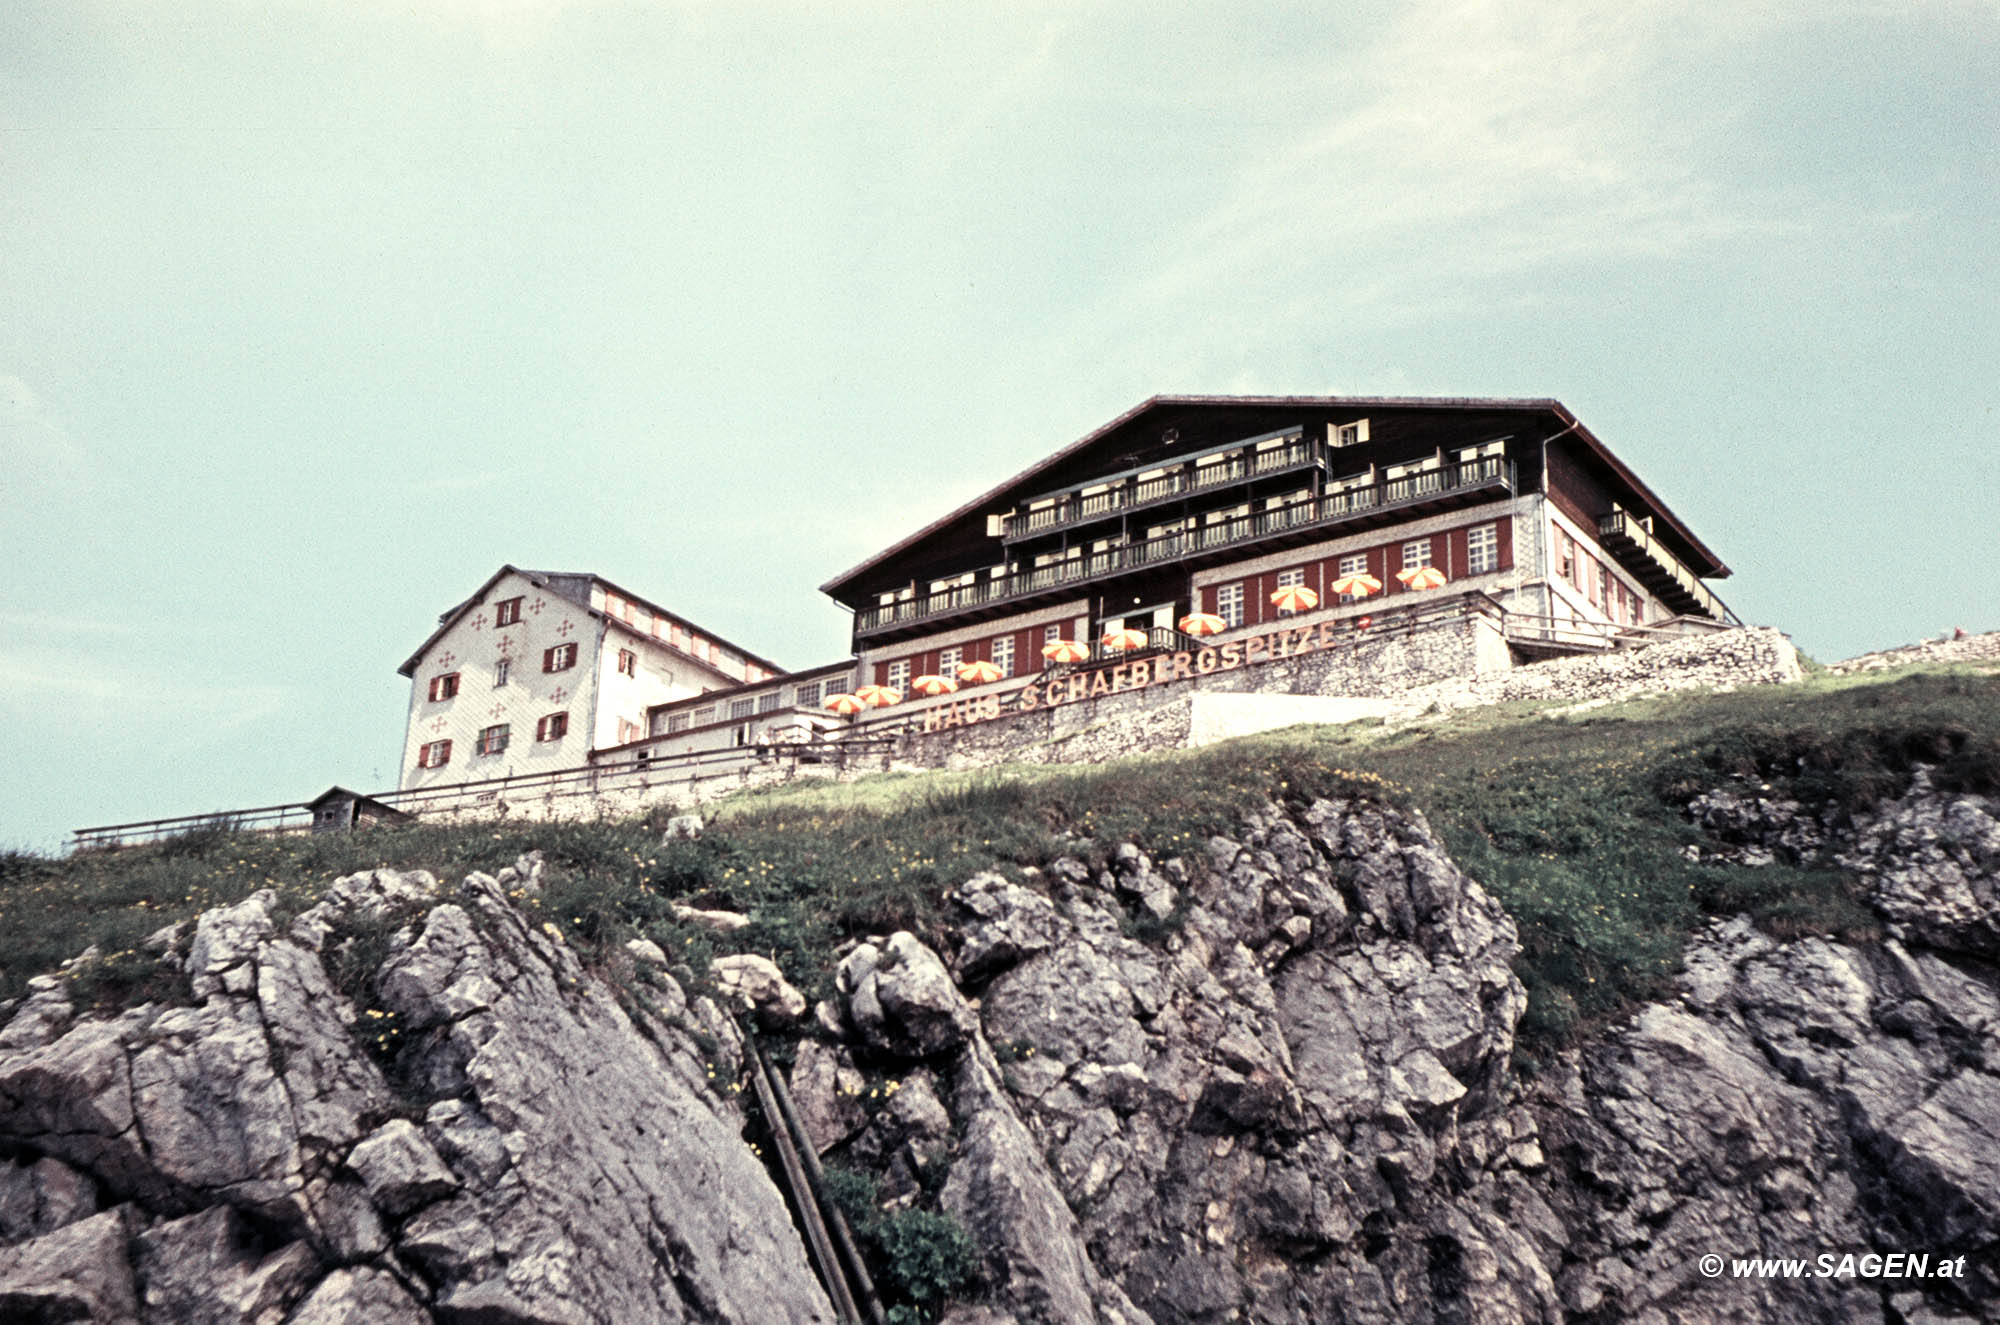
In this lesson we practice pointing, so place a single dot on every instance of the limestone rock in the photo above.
(205, 1269)
(759, 984)
(722, 922)
(682, 828)
(79, 1272)
(399, 1169)
(41, 1197)
(901, 1000)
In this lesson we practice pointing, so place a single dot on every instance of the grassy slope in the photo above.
(1573, 821)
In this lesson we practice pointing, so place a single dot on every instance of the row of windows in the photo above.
(558, 659)
(492, 740)
(1482, 557)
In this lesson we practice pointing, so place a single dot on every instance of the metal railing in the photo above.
(1329, 509)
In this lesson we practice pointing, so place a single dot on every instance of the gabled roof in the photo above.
(1014, 487)
(575, 587)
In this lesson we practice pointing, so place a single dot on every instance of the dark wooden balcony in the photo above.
(1382, 503)
(1627, 538)
(1128, 492)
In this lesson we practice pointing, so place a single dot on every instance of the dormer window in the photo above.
(1347, 434)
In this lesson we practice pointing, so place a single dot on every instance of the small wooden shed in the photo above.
(337, 810)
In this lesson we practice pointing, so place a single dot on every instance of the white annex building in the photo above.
(538, 669)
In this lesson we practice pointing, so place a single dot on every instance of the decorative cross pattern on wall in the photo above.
(565, 628)
(447, 658)
(558, 695)
(479, 622)
(506, 645)
(438, 724)
(497, 710)
(536, 606)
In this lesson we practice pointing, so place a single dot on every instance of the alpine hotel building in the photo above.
(1191, 503)
(1184, 504)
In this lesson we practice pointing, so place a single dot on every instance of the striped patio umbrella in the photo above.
(1295, 598)
(978, 673)
(878, 697)
(1124, 639)
(846, 705)
(933, 685)
(1423, 577)
(1203, 623)
(1065, 650)
(1358, 585)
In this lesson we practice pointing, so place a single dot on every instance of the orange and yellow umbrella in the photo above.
(878, 697)
(1125, 638)
(1203, 623)
(979, 672)
(846, 705)
(1064, 651)
(1294, 598)
(933, 685)
(1423, 577)
(1358, 585)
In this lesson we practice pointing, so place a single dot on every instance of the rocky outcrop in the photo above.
(485, 1136)
(1268, 1081)
(1296, 1106)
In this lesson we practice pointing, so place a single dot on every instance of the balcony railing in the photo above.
(1332, 508)
(1623, 533)
(1190, 477)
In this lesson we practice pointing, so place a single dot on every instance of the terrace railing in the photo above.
(1329, 509)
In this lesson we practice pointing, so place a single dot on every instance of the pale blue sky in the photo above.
(312, 315)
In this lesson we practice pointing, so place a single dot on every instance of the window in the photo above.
(899, 674)
(628, 663)
(742, 708)
(1290, 579)
(808, 694)
(1603, 596)
(444, 687)
(1348, 434)
(628, 731)
(1565, 555)
(1229, 603)
(492, 740)
(552, 728)
(559, 659)
(500, 671)
(1354, 563)
(704, 716)
(1416, 552)
(436, 754)
(1482, 549)
(1003, 654)
(948, 660)
(768, 701)
(507, 613)
(677, 722)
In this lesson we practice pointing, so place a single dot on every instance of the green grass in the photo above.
(1575, 822)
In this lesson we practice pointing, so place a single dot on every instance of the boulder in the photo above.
(758, 984)
(901, 999)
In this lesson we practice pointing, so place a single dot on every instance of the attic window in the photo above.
(1347, 434)
(507, 612)
(444, 686)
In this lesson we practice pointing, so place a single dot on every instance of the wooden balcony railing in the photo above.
(1131, 493)
(1331, 509)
